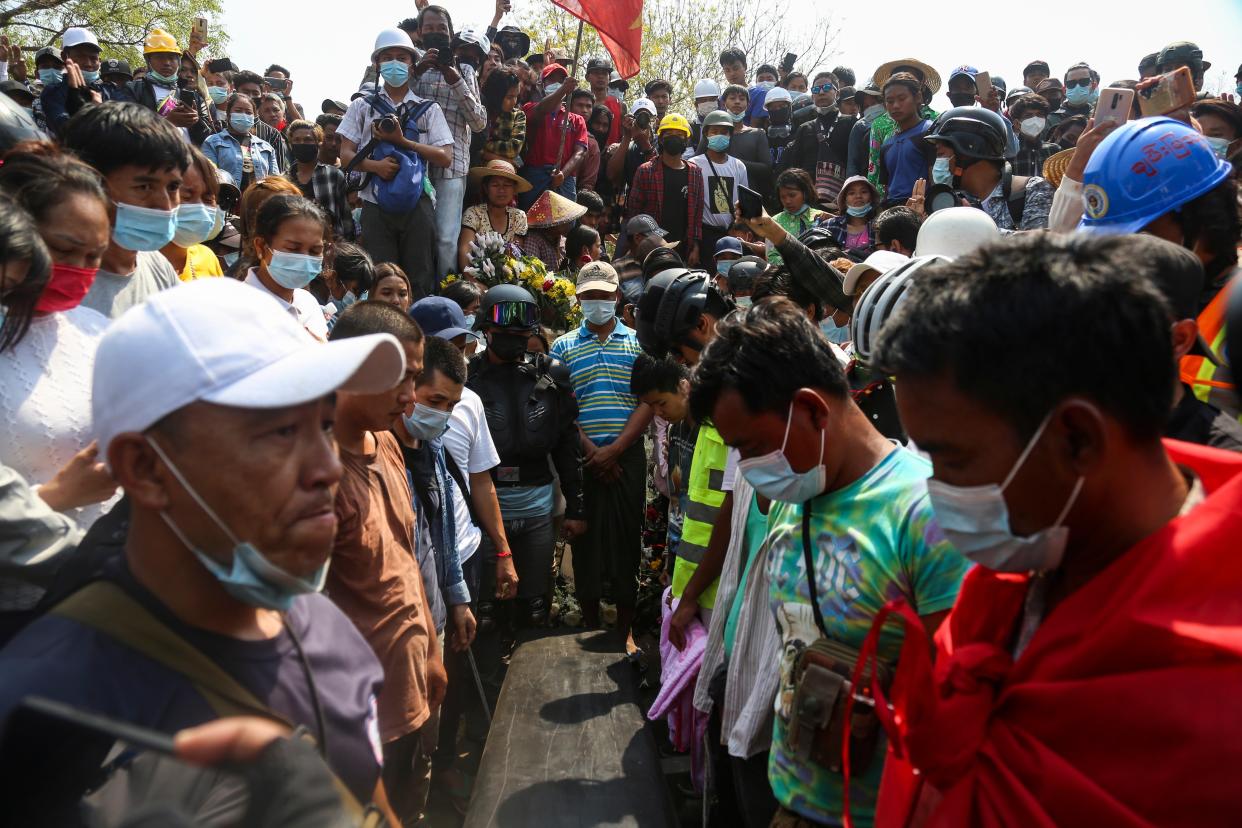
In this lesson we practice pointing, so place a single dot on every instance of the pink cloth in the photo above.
(679, 670)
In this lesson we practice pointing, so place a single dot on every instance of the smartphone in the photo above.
(750, 202)
(277, 84)
(1173, 91)
(1114, 106)
(187, 97)
(198, 30)
(787, 63)
(983, 86)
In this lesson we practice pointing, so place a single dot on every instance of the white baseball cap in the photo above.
(224, 342)
(881, 261)
(76, 36)
(641, 104)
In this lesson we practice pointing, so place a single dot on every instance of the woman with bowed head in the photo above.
(287, 249)
(199, 219)
(498, 183)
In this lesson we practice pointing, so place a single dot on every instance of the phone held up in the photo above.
(749, 202)
(1114, 106)
(1173, 91)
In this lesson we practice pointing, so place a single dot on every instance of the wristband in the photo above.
(505, 554)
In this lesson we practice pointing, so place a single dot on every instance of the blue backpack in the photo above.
(401, 194)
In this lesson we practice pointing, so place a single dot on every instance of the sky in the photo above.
(1109, 35)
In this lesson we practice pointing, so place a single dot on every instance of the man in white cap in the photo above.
(389, 116)
(79, 49)
(225, 450)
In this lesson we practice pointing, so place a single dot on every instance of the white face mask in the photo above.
(1033, 126)
(975, 519)
(773, 477)
(706, 108)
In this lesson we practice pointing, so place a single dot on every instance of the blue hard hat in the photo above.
(1144, 169)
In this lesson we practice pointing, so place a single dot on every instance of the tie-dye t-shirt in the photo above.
(874, 540)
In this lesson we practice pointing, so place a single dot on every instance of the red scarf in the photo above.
(1125, 708)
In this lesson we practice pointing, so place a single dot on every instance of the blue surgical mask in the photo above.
(859, 212)
(51, 76)
(293, 270)
(743, 302)
(143, 229)
(90, 76)
(229, 259)
(162, 80)
(724, 267)
(718, 143)
(737, 116)
(219, 94)
(618, 95)
(241, 122)
(470, 321)
(975, 519)
(196, 223)
(357, 215)
(427, 423)
(598, 311)
(942, 171)
(800, 210)
(551, 89)
(1078, 95)
(765, 85)
(252, 578)
(395, 72)
(1239, 89)
(1220, 146)
(837, 334)
(773, 477)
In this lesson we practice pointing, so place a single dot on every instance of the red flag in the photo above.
(620, 27)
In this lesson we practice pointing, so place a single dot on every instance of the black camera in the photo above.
(389, 123)
(643, 119)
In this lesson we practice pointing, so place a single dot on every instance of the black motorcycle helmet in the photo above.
(16, 125)
(744, 271)
(507, 308)
(974, 133)
(647, 309)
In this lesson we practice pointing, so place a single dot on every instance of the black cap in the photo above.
(1037, 64)
(115, 66)
(48, 51)
(597, 63)
(1183, 51)
(513, 42)
(11, 87)
(1238, 74)
(1149, 61)
(328, 105)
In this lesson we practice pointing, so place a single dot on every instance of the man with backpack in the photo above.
(394, 135)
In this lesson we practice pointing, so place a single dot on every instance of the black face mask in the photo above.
(961, 98)
(779, 116)
(508, 347)
(672, 144)
(304, 152)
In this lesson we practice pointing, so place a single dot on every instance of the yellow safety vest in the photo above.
(704, 494)
(1212, 383)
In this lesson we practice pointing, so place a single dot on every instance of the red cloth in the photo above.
(1124, 709)
(619, 24)
(614, 132)
(544, 139)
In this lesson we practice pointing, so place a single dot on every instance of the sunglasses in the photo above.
(514, 315)
(819, 90)
(1084, 82)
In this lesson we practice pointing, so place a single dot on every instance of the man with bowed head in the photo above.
(224, 447)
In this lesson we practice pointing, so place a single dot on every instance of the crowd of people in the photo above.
(938, 406)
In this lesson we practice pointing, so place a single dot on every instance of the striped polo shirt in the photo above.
(600, 374)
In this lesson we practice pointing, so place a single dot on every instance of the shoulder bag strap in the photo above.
(809, 558)
(107, 608)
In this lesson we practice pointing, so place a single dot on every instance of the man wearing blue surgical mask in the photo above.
(611, 422)
(142, 159)
(849, 529)
(224, 446)
(80, 83)
(1081, 91)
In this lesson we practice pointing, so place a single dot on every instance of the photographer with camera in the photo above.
(454, 86)
(395, 135)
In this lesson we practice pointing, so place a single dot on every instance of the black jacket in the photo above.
(803, 152)
(143, 91)
(1194, 421)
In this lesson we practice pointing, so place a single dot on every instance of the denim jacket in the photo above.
(224, 150)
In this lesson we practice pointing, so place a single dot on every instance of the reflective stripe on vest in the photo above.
(1211, 383)
(704, 494)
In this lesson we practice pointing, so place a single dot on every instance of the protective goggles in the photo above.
(514, 315)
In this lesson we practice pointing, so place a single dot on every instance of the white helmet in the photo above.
(475, 38)
(77, 36)
(879, 301)
(777, 94)
(954, 232)
(706, 88)
(393, 39)
(879, 262)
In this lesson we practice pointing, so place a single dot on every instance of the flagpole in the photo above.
(573, 72)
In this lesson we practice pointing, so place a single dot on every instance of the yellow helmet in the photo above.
(160, 41)
(673, 122)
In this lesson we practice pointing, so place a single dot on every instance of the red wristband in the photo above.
(505, 554)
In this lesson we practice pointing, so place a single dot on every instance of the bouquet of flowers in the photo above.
(494, 262)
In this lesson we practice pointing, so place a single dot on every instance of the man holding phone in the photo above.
(158, 89)
(276, 80)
